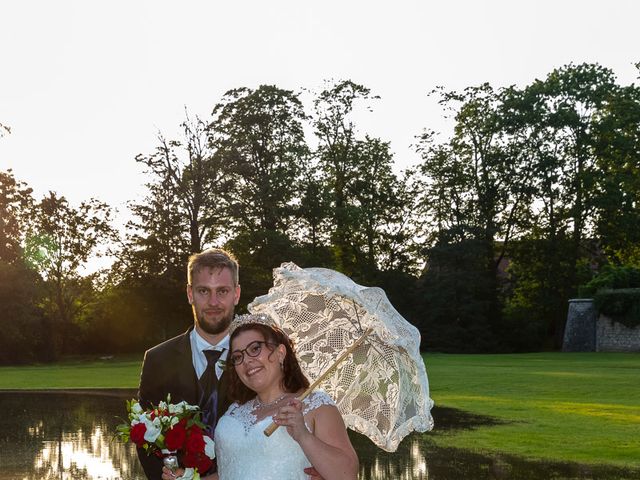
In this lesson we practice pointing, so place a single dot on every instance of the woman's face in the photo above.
(262, 372)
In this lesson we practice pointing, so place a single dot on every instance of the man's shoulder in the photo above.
(179, 342)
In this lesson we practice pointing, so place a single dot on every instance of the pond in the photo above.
(70, 436)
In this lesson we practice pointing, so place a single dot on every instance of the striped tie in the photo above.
(209, 391)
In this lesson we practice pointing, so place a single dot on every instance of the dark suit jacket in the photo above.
(168, 369)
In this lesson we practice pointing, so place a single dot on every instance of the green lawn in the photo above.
(115, 373)
(557, 406)
(561, 406)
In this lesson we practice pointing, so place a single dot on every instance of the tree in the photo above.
(570, 100)
(381, 211)
(61, 241)
(21, 335)
(15, 204)
(561, 118)
(338, 157)
(157, 239)
(258, 135)
(190, 182)
(314, 216)
(184, 211)
(616, 145)
(453, 299)
(476, 188)
(369, 207)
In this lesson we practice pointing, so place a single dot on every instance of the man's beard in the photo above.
(214, 328)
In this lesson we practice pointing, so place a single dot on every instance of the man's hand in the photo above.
(313, 474)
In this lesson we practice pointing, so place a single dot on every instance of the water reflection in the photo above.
(64, 436)
(408, 463)
(71, 436)
(74, 456)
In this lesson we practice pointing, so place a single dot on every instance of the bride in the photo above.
(265, 379)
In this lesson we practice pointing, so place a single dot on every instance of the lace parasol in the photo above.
(381, 388)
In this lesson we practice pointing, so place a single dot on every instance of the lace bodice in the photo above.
(244, 452)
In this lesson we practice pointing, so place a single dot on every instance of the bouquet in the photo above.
(169, 430)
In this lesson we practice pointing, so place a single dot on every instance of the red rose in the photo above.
(137, 434)
(197, 460)
(190, 459)
(195, 442)
(175, 437)
(204, 463)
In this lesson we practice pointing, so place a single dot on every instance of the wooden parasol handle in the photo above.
(273, 427)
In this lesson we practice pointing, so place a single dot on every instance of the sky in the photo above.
(86, 86)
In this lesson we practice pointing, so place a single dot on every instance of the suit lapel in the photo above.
(185, 373)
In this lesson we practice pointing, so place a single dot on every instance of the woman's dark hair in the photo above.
(292, 377)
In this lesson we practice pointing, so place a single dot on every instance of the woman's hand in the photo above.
(167, 474)
(290, 416)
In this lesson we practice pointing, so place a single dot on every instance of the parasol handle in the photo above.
(273, 427)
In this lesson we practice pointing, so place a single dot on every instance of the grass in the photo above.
(555, 406)
(78, 373)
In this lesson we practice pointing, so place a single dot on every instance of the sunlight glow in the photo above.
(75, 453)
(619, 413)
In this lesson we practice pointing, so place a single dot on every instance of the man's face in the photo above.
(213, 297)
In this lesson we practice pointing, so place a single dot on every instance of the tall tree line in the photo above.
(480, 245)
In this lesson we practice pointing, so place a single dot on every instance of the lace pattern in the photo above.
(247, 415)
(382, 389)
(243, 452)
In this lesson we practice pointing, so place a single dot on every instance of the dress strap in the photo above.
(316, 399)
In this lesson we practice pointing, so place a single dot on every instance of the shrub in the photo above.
(622, 305)
(611, 278)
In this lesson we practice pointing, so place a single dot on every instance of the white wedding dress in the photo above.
(244, 452)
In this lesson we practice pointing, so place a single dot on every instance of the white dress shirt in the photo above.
(198, 345)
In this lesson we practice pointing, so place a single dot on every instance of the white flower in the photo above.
(181, 407)
(174, 421)
(136, 409)
(153, 429)
(139, 418)
(136, 419)
(162, 405)
(189, 474)
(177, 407)
(209, 447)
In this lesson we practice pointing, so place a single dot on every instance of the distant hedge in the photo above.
(612, 278)
(621, 305)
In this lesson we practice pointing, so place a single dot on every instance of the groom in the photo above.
(187, 366)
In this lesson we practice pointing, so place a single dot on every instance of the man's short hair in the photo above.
(212, 258)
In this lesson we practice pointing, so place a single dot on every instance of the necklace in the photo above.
(261, 404)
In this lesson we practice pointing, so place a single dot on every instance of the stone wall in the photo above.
(586, 331)
(580, 330)
(615, 337)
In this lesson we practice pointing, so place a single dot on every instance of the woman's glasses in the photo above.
(253, 350)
